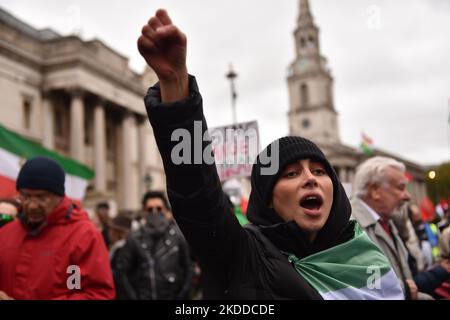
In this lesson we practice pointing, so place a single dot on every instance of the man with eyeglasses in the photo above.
(155, 263)
(52, 251)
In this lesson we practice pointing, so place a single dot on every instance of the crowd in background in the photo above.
(51, 248)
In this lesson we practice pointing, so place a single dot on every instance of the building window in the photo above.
(59, 122)
(304, 96)
(27, 108)
(311, 42)
(61, 126)
(302, 42)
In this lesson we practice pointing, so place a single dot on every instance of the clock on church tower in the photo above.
(306, 123)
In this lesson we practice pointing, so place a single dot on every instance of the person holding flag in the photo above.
(52, 251)
(300, 243)
(15, 149)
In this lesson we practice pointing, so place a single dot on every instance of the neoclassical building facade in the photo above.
(312, 113)
(81, 99)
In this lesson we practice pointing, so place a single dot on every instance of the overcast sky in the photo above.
(390, 59)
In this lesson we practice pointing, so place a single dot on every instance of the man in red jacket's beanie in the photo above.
(53, 250)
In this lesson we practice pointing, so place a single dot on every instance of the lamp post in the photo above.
(432, 177)
(231, 75)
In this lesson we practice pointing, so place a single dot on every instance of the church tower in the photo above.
(311, 113)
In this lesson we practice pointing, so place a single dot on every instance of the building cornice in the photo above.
(314, 109)
(63, 52)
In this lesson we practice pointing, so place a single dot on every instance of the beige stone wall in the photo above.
(108, 56)
(17, 83)
(155, 162)
(323, 126)
(17, 41)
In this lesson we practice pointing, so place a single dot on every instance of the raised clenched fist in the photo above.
(163, 46)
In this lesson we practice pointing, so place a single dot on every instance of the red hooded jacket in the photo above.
(45, 264)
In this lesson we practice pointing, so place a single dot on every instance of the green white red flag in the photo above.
(16, 149)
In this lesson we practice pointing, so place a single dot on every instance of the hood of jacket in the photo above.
(288, 236)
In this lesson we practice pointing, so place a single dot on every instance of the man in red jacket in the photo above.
(53, 250)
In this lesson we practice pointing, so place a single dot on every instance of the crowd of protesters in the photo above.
(149, 258)
(302, 237)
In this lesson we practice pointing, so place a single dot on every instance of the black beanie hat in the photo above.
(42, 173)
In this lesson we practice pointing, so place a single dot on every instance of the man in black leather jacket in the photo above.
(155, 263)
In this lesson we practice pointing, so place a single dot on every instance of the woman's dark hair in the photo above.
(155, 194)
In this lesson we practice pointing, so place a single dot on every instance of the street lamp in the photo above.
(432, 177)
(231, 75)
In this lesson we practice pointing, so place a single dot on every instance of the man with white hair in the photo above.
(380, 189)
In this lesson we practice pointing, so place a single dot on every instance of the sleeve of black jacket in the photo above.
(429, 280)
(187, 267)
(123, 267)
(198, 202)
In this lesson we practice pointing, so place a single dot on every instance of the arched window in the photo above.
(302, 42)
(304, 95)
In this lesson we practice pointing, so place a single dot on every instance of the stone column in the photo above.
(126, 196)
(77, 125)
(48, 137)
(143, 146)
(100, 146)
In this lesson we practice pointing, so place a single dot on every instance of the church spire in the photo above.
(305, 19)
(312, 114)
(306, 33)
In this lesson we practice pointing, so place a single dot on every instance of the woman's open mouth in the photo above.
(311, 203)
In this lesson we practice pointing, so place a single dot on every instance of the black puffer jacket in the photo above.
(236, 262)
(155, 264)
